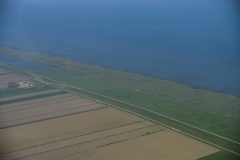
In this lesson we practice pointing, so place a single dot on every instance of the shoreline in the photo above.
(119, 70)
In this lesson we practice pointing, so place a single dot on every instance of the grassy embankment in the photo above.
(214, 112)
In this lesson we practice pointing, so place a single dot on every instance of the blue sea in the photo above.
(189, 41)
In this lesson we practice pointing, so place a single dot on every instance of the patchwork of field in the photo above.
(67, 126)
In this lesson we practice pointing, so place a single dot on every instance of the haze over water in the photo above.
(190, 42)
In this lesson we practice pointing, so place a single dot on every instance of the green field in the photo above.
(215, 112)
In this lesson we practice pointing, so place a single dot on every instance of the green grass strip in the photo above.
(32, 97)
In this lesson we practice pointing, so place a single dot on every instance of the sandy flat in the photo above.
(38, 133)
(29, 95)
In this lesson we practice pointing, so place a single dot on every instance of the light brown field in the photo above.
(71, 127)
(39, 133)
(38, 102)
(47, 116)
(165, 145)
(133, 144)
(44, 109)
(28, 95)
(5, 79)
(52, 147)
(125, 136)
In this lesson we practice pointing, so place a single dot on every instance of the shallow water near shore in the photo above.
(22, 63)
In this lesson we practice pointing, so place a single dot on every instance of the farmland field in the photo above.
(202, 109)
(68, 126)
(17, 91)
(28, 95)
(36, 102)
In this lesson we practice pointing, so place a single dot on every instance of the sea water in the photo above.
(190, 42)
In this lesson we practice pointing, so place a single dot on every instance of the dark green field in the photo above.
(214, 112)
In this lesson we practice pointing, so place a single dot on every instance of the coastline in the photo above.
(165, 89)
(213, 112)
(106, 67)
